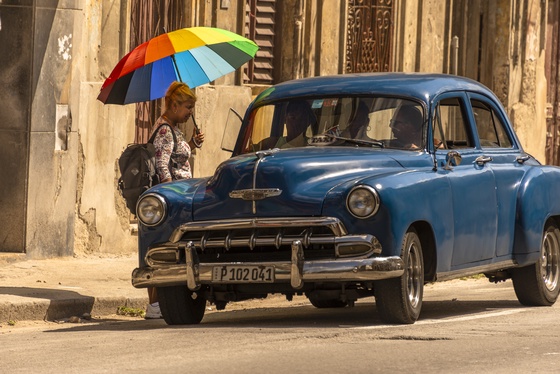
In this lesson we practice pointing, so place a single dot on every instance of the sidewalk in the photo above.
(56, 289)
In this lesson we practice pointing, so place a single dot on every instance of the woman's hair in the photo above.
(178, 92)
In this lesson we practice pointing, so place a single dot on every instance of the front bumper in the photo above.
(296, 272)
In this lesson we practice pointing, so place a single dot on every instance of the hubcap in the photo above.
(414, 276)
(549, 260)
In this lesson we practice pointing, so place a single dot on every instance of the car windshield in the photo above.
(385, 122)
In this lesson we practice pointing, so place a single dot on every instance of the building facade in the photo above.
(61, 145)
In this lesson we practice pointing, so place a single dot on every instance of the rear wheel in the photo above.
(180, 306)
(538, 284)
(399, 300)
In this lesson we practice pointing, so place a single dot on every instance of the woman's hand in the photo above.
(197, 138)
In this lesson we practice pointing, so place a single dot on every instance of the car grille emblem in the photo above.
(255, 194)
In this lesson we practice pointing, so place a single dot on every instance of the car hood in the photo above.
(300, 178)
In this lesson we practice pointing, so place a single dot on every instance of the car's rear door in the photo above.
(472, 182)
(507, 163)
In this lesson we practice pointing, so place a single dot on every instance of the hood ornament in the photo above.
(254, 194)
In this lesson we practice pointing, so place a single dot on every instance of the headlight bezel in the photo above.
(161, 208)
(372, 192)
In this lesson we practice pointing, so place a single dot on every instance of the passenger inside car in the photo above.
(298, 118)
(406, 126)
(357, 128)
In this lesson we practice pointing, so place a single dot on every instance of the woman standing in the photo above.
(172, 158)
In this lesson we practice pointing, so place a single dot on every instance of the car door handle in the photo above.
(522, 158)
(481, 160)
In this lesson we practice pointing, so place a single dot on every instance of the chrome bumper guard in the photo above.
(296, 272)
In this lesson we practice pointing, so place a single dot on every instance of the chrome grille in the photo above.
(262, 240)
(239, 240)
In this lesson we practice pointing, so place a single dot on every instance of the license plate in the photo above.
(243, 274)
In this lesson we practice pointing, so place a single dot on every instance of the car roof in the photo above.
(421, 86)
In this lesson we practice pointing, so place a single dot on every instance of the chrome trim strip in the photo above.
(342, 270)
(332, 223)
(454, 274)
(277, 241)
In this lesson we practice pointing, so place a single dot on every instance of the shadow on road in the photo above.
(361, 315)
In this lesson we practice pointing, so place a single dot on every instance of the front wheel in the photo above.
(399, 300)
(538, 284)
(180, 306)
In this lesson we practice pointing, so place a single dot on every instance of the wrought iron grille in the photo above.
(147, 20)
(369, 36)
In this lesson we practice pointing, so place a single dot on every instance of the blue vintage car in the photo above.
(358, 185)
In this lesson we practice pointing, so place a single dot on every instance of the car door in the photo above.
(507, 163)
(472, 182)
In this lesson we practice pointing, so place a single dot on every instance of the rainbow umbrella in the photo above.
(195, 56)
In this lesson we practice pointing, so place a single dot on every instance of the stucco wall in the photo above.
(211, 115)
(527, 89)
(52, 141)
(102, 223)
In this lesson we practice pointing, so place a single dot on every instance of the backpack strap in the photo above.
(152, 138)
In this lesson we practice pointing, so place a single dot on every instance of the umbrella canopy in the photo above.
(195, 56)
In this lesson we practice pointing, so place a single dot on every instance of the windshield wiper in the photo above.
(358, 141)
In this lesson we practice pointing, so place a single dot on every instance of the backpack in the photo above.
(137, 165)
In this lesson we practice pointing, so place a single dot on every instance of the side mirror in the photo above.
(453, 158)
(233, 126)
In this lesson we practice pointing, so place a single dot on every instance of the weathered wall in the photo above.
(501, 45)
(102, 223)
(211, 115)
(527, 81)
(102, 220)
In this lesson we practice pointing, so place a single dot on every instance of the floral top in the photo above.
(163, 143)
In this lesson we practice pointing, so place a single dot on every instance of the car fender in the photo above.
(536, 202)
(415, 196)
(179, 196)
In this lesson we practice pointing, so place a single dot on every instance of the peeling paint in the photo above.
(65, 47)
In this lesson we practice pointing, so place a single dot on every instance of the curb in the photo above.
(51, 310)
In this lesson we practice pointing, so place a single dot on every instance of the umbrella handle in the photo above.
(196, 128)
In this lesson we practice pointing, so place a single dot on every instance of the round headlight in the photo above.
(362, 201)
(151, 209)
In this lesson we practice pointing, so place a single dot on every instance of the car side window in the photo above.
(449, 125)
(490, 129)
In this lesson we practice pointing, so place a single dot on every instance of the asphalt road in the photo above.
(467, 326)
